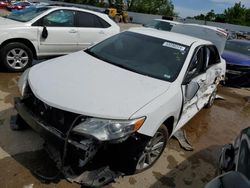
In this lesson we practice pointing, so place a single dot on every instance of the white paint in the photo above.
(60, 40)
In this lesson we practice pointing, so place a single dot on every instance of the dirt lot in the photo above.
(21, 152)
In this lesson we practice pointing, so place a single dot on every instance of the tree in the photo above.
(211, 16)
(236, 14)
(162, 7)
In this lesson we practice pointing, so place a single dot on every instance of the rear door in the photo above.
(62, 33)
(92, 29)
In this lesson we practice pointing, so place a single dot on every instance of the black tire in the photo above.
(211, 99)
(117, 18)
(125, 19)
(163, 135)
(16, 57)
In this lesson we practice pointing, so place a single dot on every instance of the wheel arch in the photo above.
(169, 123)
(27, 42)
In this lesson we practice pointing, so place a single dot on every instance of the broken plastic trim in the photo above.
(64, 154)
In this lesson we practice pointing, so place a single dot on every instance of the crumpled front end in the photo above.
(80, 157)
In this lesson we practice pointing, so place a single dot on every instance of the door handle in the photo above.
(72, 31)
(101, 32)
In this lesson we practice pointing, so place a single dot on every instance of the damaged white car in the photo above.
(114, 106)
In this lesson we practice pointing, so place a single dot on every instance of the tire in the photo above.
(125, 19)
(149, 156)
(117, 18)
(17, 123)
(16, 57)
(211, 99)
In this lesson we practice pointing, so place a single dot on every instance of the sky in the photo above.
(195, 7)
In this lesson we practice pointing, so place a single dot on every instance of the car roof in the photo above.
(168, 21)
(170, 36)
(75, 8)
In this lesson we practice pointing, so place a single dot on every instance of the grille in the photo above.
(59, 119)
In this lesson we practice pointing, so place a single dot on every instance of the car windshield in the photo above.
(159, 25)
(150, 56)
(26, 14)
(239, 47)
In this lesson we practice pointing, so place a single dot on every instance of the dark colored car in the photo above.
(19, 5)
(234, 164)
(4, 4)
(237, 56)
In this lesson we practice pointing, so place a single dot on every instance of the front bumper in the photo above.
(88, 159)
(50, 134)
(237, 75)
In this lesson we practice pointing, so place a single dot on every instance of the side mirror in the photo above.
(44, 32)
(191, 89)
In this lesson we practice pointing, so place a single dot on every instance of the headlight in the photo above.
(105, 130)
(22, 82)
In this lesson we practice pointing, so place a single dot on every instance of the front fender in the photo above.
(160, 109)
(20, 33)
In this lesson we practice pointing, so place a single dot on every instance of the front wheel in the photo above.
(153, 149)
(16, 57)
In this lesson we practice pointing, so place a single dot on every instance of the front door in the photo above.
(196, 73)
(62, 33)
(204, 70)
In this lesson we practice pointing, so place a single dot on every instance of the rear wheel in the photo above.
(16, 57)
(153, 149)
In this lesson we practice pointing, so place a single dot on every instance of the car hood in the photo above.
(236, 58)
(85, 85)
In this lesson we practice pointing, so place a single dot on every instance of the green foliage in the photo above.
(161, 7)
(238, 14)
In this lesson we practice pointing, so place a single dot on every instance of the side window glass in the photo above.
(212, 56)
(59, 18)
(197, 65)
(85, 19)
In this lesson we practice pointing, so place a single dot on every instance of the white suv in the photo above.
(43, 31)
(121, 99)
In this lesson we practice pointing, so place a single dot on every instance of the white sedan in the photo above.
(44, 31)
(128, 96)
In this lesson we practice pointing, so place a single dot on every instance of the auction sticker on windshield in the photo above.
(175, 46)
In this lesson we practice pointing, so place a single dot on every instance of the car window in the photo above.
(59, 18)
(212, 56)
(197, 65)
(147, 55)
(85, 19)
(161, 25)
(26, 4)
(239, 47)
(27, 14)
